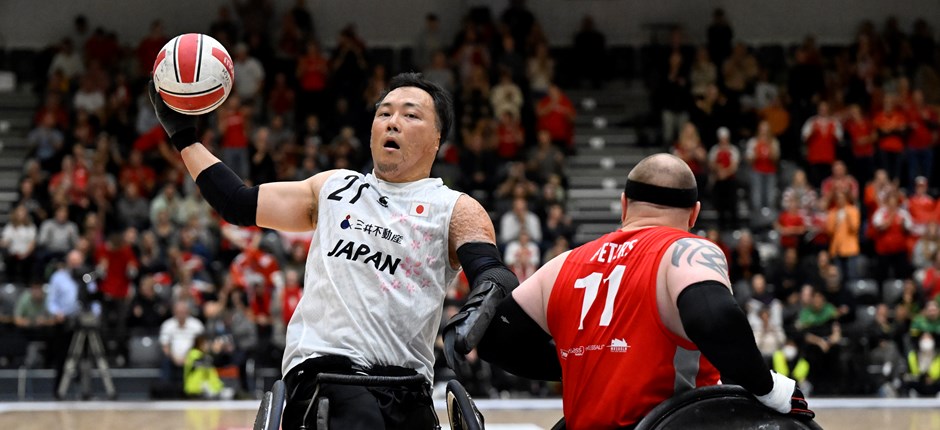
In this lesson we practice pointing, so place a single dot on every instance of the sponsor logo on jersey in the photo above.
(352, 251)
(369, 229)
(419, 209)
(619, 345)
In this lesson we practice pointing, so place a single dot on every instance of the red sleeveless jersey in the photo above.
(618, 359)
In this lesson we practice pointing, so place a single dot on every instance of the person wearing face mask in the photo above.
(923, 373)
(789, 362)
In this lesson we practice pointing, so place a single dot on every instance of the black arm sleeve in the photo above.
(228, 195)
(481, 262)
(516, 343)
(719, 328)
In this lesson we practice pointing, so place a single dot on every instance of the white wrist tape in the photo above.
(779, 397)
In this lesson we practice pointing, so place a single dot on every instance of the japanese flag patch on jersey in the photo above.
(419, 209)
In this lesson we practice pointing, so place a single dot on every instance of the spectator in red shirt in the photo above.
(71, 180)
(290, 295)
(821, 133)
(862, 139)
(891, 224)
(791, 225)
(840, 181)
(510, 136)
(116, 260)
(763, 153)
(556, 114)
(922, 138)
(233, 127)
(313, 71)
(877, 190)
(149, 47)
(931, 283)
(891, 124)
(137, 173)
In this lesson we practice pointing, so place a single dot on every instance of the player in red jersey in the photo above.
(637, 316)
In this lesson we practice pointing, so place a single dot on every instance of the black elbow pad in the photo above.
(228, 195)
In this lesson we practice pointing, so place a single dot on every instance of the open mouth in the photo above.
(391, 144)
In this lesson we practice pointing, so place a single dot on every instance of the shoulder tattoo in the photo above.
(698, 252)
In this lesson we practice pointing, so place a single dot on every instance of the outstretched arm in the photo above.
(286, 206)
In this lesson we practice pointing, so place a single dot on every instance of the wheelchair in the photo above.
(717, 407)
(462, 413)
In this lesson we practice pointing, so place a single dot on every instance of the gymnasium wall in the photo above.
(37, 23)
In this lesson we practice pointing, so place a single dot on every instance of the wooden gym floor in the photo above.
(832, 414)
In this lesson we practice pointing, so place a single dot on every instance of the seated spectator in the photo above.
(560, 246)
(30, 313)
(839, 181)
(923, 367)
(137, 173)
(506, 95)
(18, 245)
(928, 321)
(132, 209)
(761, 297)
(703, 73)
(177, 336)
(822, 334)
(439, 72)
(200, 376)
(540, 71)
(510, 136)
(926, 247)
(514, 184)
(787, 277)
(519, 219)
(147, 310)
(843, 225)
(739, 71)
(557, 224)
(46, 142)
(545, 159)
(745, 260)
(478, 165)
(791, 225)
(556, 114)
(768, 334)
(921, 206)
(522, 256)
(57, 236)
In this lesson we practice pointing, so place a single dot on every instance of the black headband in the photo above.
(673, 197)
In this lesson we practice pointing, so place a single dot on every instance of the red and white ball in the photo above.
(193, 73)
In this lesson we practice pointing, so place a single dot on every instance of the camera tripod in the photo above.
(86, 334)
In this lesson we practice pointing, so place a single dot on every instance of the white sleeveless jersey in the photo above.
(376, 273)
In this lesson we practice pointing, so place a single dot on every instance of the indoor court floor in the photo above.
(832, 414)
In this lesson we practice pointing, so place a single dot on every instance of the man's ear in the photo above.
(693, 217)
(623, 208)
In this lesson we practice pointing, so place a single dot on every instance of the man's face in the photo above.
(405, 137)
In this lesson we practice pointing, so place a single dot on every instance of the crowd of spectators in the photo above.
(834, 152)
(831, 146)
(103, 193)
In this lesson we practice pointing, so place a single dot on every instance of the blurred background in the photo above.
(810, 126)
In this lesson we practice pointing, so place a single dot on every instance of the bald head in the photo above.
(664, 170)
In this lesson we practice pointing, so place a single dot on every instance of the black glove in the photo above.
(464, 330)
(181, 128)
(798, 406)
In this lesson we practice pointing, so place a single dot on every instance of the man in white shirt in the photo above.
(176, 337)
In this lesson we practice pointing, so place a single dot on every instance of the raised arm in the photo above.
(285, 206)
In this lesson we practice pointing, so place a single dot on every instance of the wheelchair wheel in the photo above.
(718, 407)
(461, 411)
(272, 406)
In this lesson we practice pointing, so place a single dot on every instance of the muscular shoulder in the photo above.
(691, 260)
(469, 222)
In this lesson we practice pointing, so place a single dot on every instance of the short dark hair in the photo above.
(443, 103)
